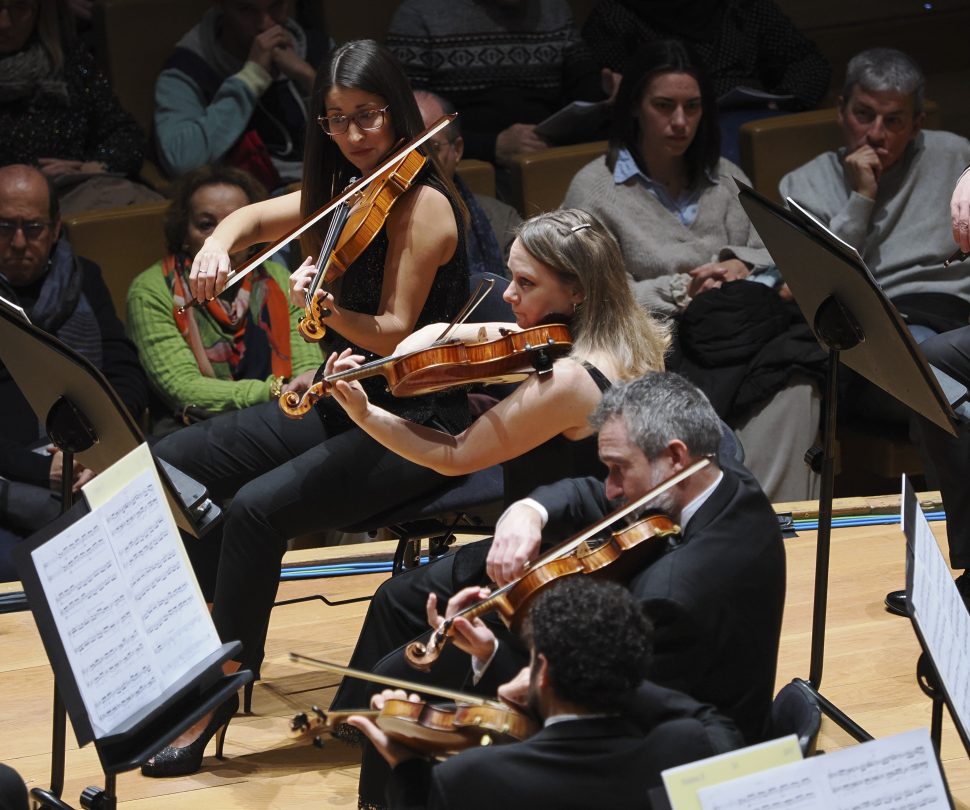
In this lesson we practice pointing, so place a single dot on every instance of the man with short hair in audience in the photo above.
(65, 296)
(233, 90)
(885, 192)
(492, 223)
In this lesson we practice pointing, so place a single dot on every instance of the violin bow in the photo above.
(235, 276)
(350, 672)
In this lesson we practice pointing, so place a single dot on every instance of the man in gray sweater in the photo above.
(886, 191)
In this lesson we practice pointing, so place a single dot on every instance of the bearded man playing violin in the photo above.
(715, 598)
(589, 652)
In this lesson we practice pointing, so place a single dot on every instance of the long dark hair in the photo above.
(654, 59)
(361, 64)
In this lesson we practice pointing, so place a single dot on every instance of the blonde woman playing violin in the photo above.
(564, 266)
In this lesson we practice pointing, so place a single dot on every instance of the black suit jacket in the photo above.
(716, 599)
(576, 764)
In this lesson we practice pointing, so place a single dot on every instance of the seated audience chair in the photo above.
(479, 176)
(122, 241)
(540, 179)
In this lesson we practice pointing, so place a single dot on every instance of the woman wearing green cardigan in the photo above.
(241, 348)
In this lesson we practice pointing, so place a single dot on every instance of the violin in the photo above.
(352, 229)
(426, 728)
(352, 192)
(508, 358)
(620, 556)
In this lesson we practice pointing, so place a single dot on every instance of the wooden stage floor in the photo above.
(869, 672)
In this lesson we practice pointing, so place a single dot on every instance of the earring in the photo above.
(576, 306)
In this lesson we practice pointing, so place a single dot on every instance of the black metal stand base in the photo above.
(838, 331)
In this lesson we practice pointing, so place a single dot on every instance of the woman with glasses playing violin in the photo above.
(289, 477)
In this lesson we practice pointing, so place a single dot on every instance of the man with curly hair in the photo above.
(589, 645)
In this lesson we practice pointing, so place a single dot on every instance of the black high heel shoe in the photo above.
(188, 758)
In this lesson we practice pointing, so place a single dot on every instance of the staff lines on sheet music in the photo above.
(103, 664)
(100, 634)
(90, 586)
(164, 601)
(152, 567)
(96, 615)
(160, 579)
(885, 800)
(140, 502)
(136, 683)
(172, 611)
(161, 645)
(65, 564)
(141, 542)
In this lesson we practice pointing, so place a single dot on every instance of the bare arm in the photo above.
(535, 412)
(264, 221)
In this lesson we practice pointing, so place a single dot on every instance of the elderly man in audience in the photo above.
(492, 223)
(886, 191)
(233, 91)
(65, 296)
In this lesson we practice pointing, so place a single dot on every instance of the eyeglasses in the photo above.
(365, 119)
(439, 146)
(33, 229)
(18, 8)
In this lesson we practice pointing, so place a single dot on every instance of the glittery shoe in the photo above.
(187, 759)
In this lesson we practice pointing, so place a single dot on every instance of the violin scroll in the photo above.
(423, 656)
(311, 325)
(296, 406)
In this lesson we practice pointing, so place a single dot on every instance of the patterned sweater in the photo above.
(499, 66)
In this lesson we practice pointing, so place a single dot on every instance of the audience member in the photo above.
(239, 349)
(672, 204)
(505, 64)
(58, 112)
(885, 192)
(234, 90)
(589, 646)
(747, 44)
(492, 223)
(64, 295)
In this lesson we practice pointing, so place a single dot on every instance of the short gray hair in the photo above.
(659, 407)
(880, 69)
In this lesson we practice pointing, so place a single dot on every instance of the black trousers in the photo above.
(285, 478)
(948, 456)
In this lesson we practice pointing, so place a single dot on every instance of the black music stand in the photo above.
(84, 416)
(854, 321)
(942, 626)
(135, 738)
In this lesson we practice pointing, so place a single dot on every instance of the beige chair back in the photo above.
(479, 176)
(540, 179)
(122, 241)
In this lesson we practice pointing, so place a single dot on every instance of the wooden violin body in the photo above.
(619, 557)
(509, 358)
(361, 224)
(429, 729)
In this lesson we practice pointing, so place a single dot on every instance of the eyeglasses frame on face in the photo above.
(32, 229)
(325, 122)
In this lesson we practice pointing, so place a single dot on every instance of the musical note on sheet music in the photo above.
(127, 606)
(894, 773)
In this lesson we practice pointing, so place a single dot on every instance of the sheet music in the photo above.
(940, 613)
(895, 773)
(125, 602)
(797, 208)
(8, 304)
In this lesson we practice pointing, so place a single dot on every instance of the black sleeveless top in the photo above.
(360, 291)
(556, 458)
